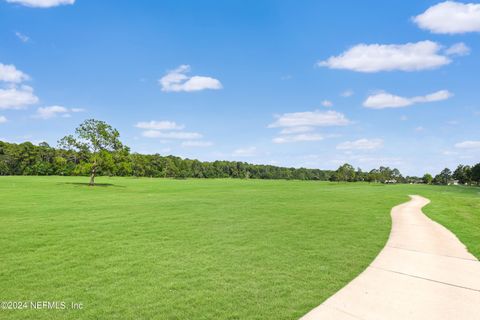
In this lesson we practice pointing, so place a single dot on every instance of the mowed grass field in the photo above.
(199, 249)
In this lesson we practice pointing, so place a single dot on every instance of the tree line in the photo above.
(29, 159)
(95, 150)
(463, 175)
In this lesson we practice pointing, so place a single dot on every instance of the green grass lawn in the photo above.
(458, 209)
(199, 249)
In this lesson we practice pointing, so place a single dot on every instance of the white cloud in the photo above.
(291, 130)
(379, 161)
(52, 112)
(42, 3)
(169, 131)
(327, 103)
(361, 144)
(419, 129)
(181, 135)
(298, 126)
(200, 144)
(450, 17)
(22, 37)
(17, 98)
(421, 55)
(159, 125)
(3, 119)
(458, 49)
(177, 81)
(8, 73)
(305, 137)
(13, 95)
(469, 144)
(55, 111)
(384, 100)
(310, 119)
(245, 152)
(347, 93)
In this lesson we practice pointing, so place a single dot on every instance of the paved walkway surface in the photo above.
(424, 272)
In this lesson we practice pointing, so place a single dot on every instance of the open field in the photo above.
(199, 249)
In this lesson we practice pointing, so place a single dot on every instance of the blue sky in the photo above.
(291, 83)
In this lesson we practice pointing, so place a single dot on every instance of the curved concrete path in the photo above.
(423, 272)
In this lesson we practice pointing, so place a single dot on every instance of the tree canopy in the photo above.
(98, 141)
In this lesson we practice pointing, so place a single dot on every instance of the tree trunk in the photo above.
(92, 177)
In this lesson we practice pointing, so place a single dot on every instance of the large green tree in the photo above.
(475, 173)
(345, 172)
(427, 178)
(463, 174)
(97, 139)
(443, 177)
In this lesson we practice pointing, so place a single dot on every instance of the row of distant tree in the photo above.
(465, 175)
(95, 149)
(29, 159)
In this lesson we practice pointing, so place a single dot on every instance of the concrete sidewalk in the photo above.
(424, 272)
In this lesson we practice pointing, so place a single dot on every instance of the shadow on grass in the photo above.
(86, 184)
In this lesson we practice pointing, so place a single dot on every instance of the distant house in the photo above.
(453, 182)
(392, 181)
(414, 180)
